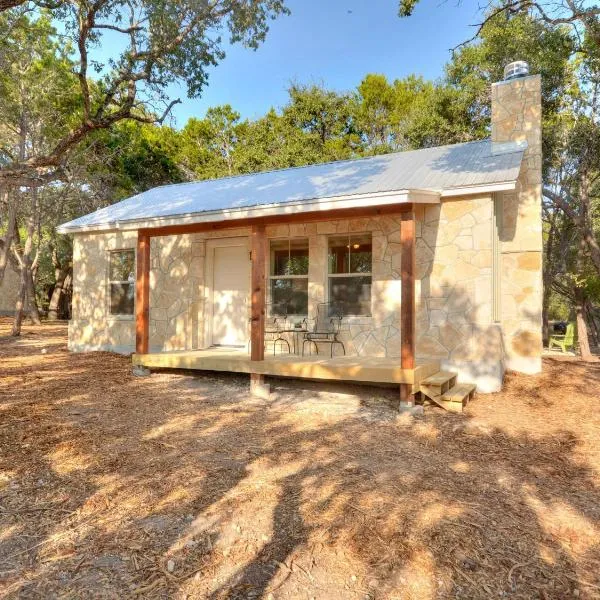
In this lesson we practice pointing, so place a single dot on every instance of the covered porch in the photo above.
(403, 370)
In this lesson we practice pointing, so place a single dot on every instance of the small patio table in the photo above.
(295, 331)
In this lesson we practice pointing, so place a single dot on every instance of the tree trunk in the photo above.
(547, 277)
(26, 264)
(10, 231)
(34, 313)
(582, 332)
(65, 309)
(62, 284)
(580, 303)
(594, 334)
(20, 306)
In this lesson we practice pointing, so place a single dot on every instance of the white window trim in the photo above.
(109, 281)
(353, 317)
(271, 277)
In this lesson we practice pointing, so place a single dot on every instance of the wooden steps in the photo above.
(441, 389)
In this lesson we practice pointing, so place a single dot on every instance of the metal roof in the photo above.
(440, 169)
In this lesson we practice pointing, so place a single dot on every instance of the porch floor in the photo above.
(341, 368)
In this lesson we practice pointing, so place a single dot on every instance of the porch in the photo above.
(229, 308)
(362, 369)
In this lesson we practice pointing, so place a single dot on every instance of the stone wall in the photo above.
(454, 286)
(178, 294)
(91, 326)
(516, 117)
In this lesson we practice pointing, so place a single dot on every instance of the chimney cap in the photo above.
(516, 69)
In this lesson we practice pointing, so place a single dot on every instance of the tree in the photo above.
(375, 102)
(128, 159)
(325, 117)
(207, 145)
(273, 142)
(156, 43)
(578, 14)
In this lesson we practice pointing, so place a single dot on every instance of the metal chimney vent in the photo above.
(516, 69)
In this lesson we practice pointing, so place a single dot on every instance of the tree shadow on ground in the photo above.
(250, 498)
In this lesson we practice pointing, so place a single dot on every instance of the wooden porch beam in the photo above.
(257, 330)
(307, 217)
(407, 299)
(407, 276)
(142, 294)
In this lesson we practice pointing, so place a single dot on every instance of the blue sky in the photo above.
(322, 42)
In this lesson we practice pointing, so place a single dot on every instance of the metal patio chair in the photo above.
(326, 328)
(275, 326)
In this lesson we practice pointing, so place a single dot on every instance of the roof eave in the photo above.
(488, 188)
(416, 196)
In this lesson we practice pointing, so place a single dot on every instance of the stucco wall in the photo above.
(454, 285)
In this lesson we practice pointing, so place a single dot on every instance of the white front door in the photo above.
(230, 293)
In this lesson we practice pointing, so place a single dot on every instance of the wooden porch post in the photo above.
(407, 308)
(142, 294)
(257, 328)
(257, 332)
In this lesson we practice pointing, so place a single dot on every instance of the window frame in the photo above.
(349, 273)
(110, 282)
(270, 277)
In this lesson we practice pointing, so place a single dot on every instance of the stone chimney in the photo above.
(517, 117)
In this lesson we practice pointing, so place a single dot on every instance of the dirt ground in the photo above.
(178, 486)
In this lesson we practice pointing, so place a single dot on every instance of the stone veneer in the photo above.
(516, 117)
(478, 280)
(454, 285)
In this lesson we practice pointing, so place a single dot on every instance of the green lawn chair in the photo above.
(563, 341)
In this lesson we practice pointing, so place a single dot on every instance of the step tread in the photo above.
(459, 392)
(446, 404)
(438, 378)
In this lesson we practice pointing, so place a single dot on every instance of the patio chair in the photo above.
(276, 322)
(326, 328)
(563, 341)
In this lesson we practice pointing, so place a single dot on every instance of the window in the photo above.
(349, 259)
(289, 277)
(122, 282)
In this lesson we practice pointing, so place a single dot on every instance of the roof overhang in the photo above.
(400, 197)
(489, 188)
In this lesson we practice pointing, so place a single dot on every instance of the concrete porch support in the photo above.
(258, 387)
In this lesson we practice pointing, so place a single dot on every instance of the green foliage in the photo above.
(325, 119)
(39, 95)
(131, 158)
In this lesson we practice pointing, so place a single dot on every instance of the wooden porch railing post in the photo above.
(407, 308)
(142, 294)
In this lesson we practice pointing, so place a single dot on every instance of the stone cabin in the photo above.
(434, 255)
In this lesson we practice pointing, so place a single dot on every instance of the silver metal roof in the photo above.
(440, 169)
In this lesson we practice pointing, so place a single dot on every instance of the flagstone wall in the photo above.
(516, 117)
(453, 285)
